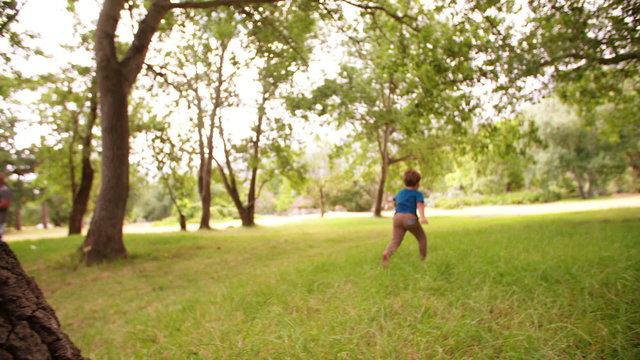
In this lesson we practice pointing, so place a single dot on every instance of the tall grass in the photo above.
(544, 287)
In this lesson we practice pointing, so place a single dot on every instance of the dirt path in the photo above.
(621, 201)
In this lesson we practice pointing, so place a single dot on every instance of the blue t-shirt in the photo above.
(407, 201)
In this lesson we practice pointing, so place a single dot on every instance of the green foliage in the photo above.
(65, 105)
(153, 204)
(573, 149)
(11, 41)
(557, 286)
(285, 197)
(589, 44)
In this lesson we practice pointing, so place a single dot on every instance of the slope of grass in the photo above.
(543, 287)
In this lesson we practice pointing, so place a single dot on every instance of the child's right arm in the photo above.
(423, 219)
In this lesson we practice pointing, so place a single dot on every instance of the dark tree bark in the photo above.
(82, 193)
(183, 222)
(29, 327)
(44, 215)
(17, 216)
(580, 182)
(204, 179)
(322, 210)
(384, 170)
(104, 239)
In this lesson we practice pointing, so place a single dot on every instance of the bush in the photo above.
(500, 199)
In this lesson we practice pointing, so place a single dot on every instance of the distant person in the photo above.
(5, 202)
(407, 201)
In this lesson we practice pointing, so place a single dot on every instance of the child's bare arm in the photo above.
(423, 219)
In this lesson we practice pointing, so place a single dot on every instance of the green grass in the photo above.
(543, 287)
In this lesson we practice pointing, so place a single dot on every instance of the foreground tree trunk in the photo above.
(29, 328)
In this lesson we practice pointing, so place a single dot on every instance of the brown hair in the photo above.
(411, 177)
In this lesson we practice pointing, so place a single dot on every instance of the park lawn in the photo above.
(539, 287)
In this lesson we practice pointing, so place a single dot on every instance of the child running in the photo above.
(405, 218)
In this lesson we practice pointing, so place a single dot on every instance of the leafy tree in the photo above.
(278, 37)
(116, 74)
(198, 71)
(406, 93)
(70, 107)
(319, 170)
(591, 44)
(496, 160)
(572, 148)
(169, 158)
(612, 115)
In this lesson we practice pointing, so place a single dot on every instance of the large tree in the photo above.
(408, 86)
(116, 74)
(70, 107)
(278, 45)
(202, 71)
(170, 160)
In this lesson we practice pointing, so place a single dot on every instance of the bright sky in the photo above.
(36, 17)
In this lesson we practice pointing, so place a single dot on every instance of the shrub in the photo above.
(499, 199)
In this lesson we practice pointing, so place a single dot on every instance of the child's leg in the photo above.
(420, 235)
(398, 234)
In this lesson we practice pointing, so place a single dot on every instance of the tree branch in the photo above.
(218, 3)
(132, 62)
(396, 17)
(632, 56)
(404, 158)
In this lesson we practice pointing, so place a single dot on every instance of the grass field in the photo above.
(540, 287)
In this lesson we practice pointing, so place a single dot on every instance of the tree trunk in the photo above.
(321, 200)
(183, 222)
(383, 149)
(104, 239)
(384, 169)
(205, 193)
(205, 196)
(29, 327)
(249, 218)
(17, 217)
(83, 193)
(246, 216)
(44, 218)
(578, 179)
(592, 185)
(81, 198)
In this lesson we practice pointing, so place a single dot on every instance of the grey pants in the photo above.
(401, 223)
